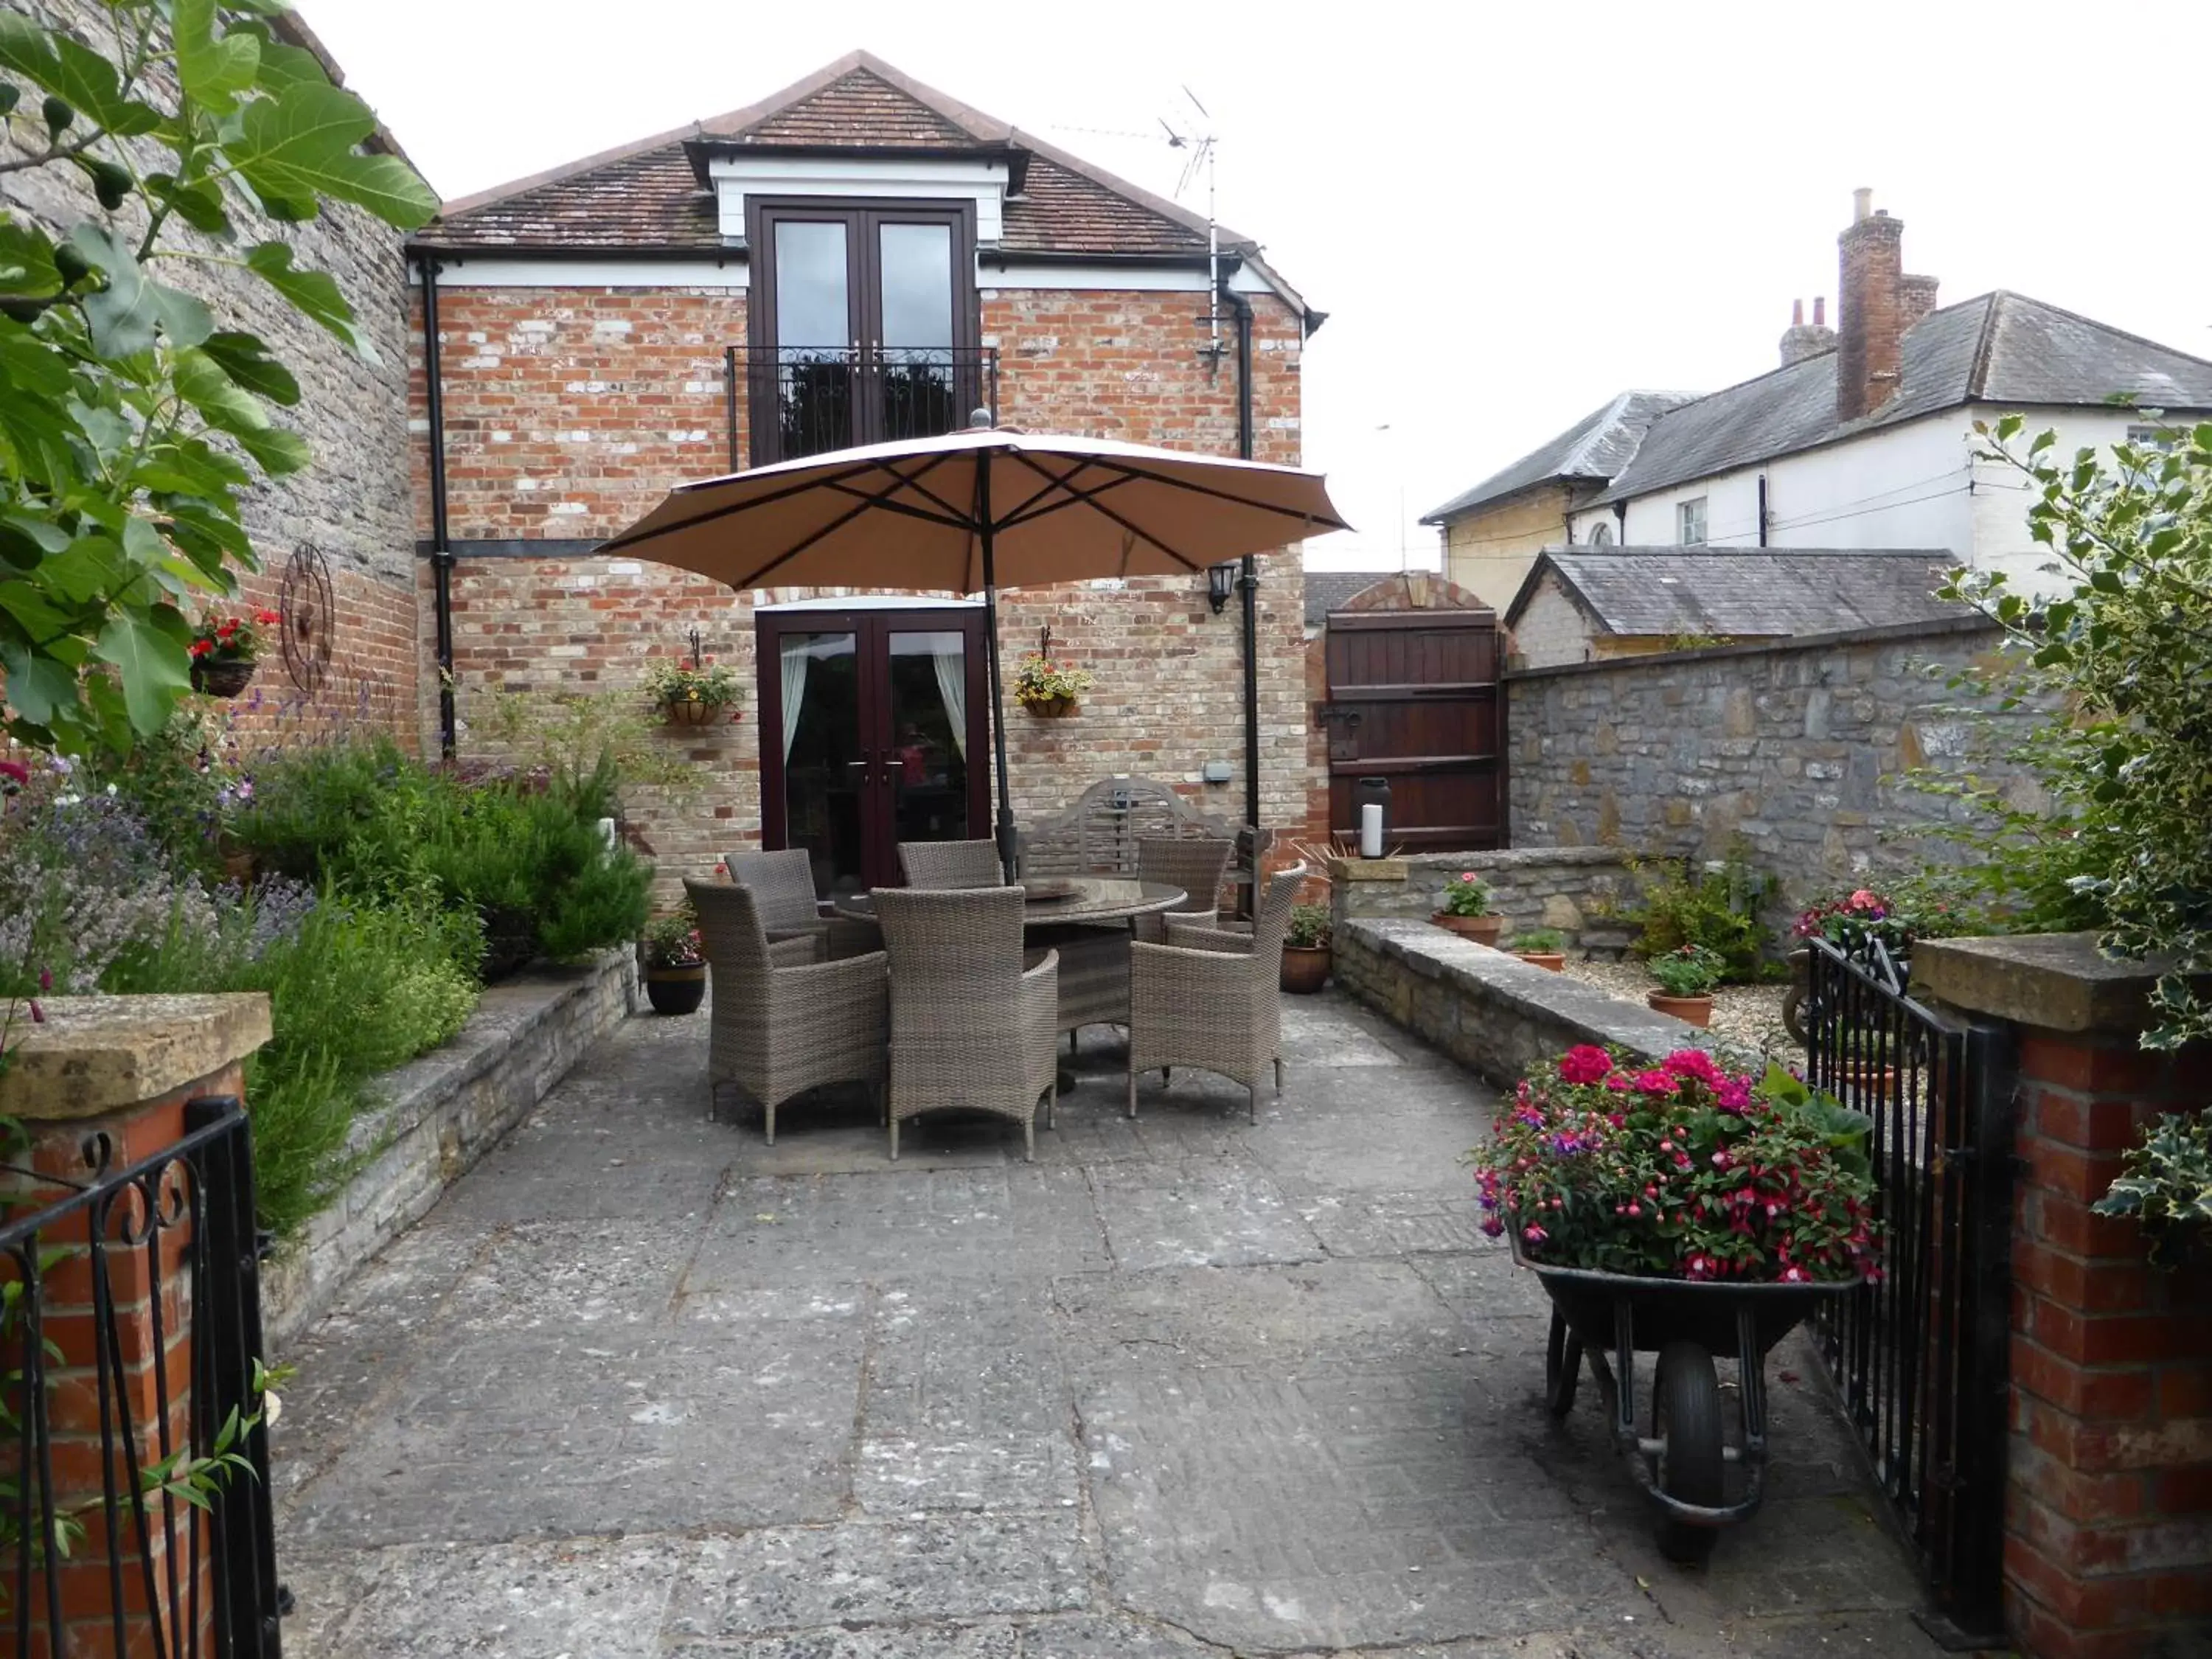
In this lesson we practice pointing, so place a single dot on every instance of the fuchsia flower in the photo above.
(1586, 1064)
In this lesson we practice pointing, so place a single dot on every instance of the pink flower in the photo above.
(1656, 1081)
(1491, 1226)
(1534, 1234)
(15, 772)
(1694, 1063)
(1586, 1064)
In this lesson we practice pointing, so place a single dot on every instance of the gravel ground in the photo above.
(1747, 1013)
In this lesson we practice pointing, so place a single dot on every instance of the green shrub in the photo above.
(1719, 909)
(1689, 971)
(1309, 928)
(542, 879)
(1540, 940)
(355, 989)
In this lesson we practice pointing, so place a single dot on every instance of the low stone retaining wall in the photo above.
(1493, 1012)
(1572, 889)
(441, 1114)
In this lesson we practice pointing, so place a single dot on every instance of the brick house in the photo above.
(856, 258)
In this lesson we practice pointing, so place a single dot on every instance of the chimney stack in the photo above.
(1870, 304)
(1804, 340)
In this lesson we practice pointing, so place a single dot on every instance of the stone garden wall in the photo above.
(1575, 890)
(1802, 749)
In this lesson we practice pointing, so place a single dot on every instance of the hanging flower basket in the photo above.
(696, 693)
(690, 711)
(1046, 689)
(220, 679)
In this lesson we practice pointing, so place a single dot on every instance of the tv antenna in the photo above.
(1201, 143)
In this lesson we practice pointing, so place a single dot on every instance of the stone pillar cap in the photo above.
(95, 1055)
(2057, 981)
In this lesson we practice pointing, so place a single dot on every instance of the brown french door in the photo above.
(874, 729)
(863, 324)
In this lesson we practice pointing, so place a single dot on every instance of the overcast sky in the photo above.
(1510, 212)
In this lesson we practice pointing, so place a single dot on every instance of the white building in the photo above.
(1863, 439)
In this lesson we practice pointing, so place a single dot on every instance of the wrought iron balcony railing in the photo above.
(795, 401)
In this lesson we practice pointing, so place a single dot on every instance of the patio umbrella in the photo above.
(976, 511)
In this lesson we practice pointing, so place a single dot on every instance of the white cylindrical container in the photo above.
(1370, 830)
(607, 833)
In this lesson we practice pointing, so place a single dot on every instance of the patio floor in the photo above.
(642, 1385)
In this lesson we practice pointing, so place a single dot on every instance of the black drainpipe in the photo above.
(1248, 580)
(441, 550)
(1762, 509)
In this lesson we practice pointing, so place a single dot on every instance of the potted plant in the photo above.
(691, 694)
(674, 964)
(1544, 947)
(1306, 954)
(225, 648)
(1046, 689)
(1467, 909)
(1686, 978)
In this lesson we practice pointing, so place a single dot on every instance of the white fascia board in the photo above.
(460, 271)
(1142, 279)
(982, 181)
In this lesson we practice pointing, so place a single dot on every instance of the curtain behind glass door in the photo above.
(928, 683)
(825, 780)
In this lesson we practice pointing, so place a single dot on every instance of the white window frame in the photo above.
(1688, 515)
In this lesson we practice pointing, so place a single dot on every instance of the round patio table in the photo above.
(1092, 898)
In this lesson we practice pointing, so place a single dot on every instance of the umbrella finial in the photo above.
(979, 420)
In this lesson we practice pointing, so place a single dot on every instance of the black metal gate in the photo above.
(134, 1472)
(1920, 1355)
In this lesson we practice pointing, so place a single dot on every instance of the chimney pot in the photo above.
(1820, 311)
(1797, 314)
(1861, 204)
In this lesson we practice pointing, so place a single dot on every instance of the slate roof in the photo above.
(1592, 450)
(2000, 347)
(654, 194)
(1766, 592)
(1331, 589)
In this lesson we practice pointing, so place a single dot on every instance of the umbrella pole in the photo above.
(1005, 830)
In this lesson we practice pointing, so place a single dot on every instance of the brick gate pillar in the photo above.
(101, 1085)
(2108, 1505)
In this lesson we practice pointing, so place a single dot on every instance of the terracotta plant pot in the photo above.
(240, 866)
(676, 990)
(1553, 962)
(685, 712)
(1693, 1010)
(1305, 967)
(1483, 930)
(221, 679)
(1051, 709)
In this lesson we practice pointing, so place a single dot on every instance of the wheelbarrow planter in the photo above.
(1681, 1464)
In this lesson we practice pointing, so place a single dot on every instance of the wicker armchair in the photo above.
(940, 867)
(782, 884)
(1213, 998)
(1194, 863)
(969, 1029)
(777, 1030)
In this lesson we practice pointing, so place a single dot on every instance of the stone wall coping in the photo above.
(1586, 1013)
(1521, 858)
(91, 1055)
(2057, 981)
(1344, 869)
(1888, 631)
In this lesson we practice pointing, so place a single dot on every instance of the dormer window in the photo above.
(863, 323)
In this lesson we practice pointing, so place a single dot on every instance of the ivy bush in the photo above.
(2123, 641)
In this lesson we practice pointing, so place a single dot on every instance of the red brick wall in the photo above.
(378, 666)
(2108, 1520)
(568, 412)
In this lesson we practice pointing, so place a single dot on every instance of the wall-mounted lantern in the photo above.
(1220, 583)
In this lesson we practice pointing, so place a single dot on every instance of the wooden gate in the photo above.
(1413, 697)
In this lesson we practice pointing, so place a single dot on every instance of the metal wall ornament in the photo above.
(309, 613)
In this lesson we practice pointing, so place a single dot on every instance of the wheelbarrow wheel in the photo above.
(1563, 1366)
(1686, 1421)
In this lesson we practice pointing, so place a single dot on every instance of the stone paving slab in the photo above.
(643, 1387)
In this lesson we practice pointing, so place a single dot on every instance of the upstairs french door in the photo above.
(864, 324)
(874, 729)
